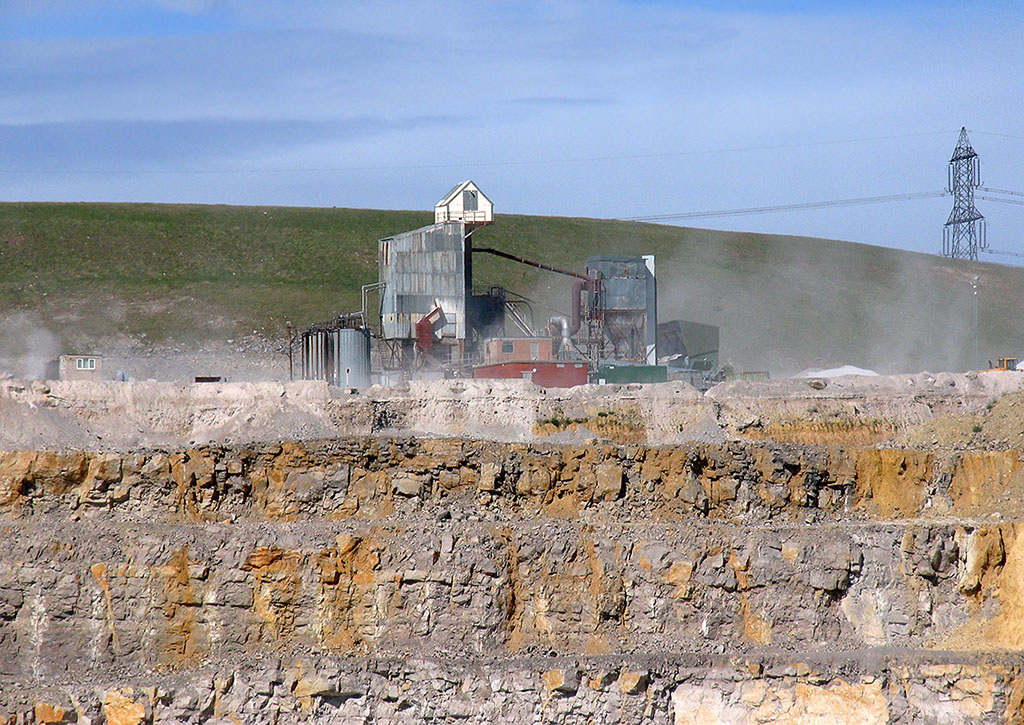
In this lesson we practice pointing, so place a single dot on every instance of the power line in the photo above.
(789, 207)
(1000, 251)
(1001, 191)
(1001, 135)
(1001, 201)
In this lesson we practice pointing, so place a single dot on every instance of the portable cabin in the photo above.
(80, 367)
(518, 349)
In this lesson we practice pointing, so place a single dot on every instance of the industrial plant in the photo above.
(434, 322)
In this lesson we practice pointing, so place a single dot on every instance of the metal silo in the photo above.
(337, 355)
(351, 357)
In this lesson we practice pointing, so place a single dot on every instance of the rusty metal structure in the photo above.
(585, 316)
(614, 309)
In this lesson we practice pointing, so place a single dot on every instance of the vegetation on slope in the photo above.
(159, 273)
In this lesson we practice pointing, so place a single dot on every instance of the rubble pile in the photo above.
(856, 410)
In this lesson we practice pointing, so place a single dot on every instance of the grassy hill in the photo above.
(159, 274)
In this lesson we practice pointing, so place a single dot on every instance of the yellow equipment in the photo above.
(1004, 363)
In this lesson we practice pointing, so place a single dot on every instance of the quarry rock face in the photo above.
(775, 571)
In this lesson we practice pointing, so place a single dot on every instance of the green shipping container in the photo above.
(619, 374)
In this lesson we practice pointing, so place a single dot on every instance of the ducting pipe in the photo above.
(577, 290)
(561, 324)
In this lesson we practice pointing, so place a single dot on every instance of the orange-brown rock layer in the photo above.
(371, 478)
(408, 580)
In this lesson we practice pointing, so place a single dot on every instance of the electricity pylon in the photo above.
(964, 233)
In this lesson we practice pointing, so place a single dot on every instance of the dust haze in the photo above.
(788, 304)
(27, 346)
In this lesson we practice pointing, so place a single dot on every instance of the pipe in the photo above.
(522, 260)
(562, 323)
(577, 290)
(592, 284)
(366, 288)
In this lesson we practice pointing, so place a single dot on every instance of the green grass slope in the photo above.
(162, 274)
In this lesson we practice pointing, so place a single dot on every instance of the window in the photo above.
(534, 350)
(507, 348)
(469, 201)
(82, 363)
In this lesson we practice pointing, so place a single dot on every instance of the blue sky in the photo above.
(602, 108)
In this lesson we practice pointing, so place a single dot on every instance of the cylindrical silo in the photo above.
(353, 356)
(307, 356)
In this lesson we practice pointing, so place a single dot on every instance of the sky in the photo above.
(596, 108)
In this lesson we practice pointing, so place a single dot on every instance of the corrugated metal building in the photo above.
(423, 270)
(689, 344)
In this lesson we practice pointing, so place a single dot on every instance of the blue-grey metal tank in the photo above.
(352, 357)
(626, 282)
(629, 305)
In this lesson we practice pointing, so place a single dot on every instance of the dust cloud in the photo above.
(27, 346)
(786, 304)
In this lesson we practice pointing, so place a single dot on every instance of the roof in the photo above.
(457, 189)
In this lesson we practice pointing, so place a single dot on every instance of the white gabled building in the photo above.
(464, 203)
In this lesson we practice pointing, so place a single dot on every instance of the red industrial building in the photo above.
(546, 374)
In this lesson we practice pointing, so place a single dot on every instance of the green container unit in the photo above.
(619, 374)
